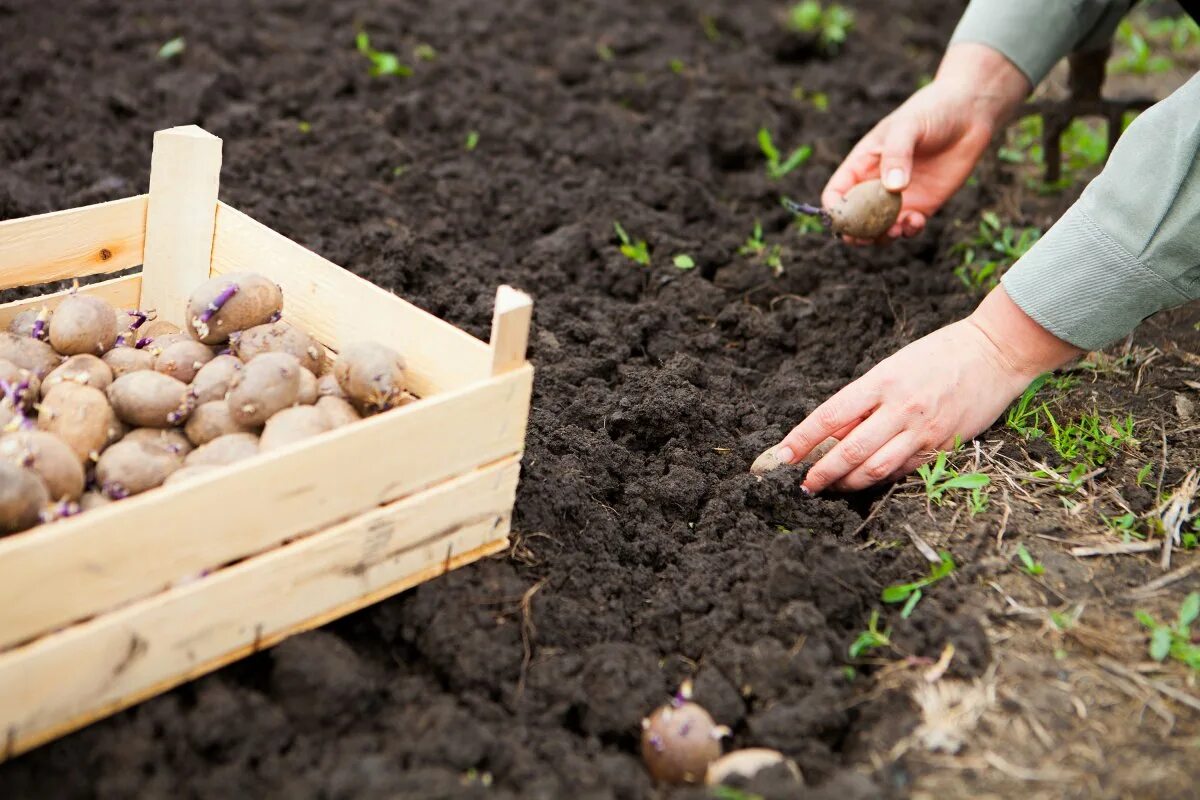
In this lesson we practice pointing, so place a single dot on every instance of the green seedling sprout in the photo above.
(676, 65)
(1028, 564)
(992, 251)
(723, 792)
(910, 593)
(756, 246)
(637, 252)
(684, 261)
(173, 48)
(940, 477)
(424, 52)
(830, 24)
(871, 638)
(304, 127)
(472, 141)
(1174, 640)
(382, 63)
(1140, 60)
(777, 166)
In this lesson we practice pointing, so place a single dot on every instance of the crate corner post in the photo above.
(510, 329)
(185, 171)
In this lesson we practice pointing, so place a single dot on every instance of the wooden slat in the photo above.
(185, 170)
(510, 329)
(119, 292)
(337, 306)
(53, 576)
(107, 237)
(64, 681)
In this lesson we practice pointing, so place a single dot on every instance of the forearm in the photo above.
(1025, 348)
(994, 85)
(1035, 34)
(1130, 246)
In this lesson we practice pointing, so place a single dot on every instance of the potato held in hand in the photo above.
(231, 303)
(371, 375)
(867, 211)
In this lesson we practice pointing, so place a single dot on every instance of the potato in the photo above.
(292, 425)
(233, 302)
(768, 461)
(268, 384)
(307, 394)
(83, 369)
(147, 399)
(680, 740)
(328, 386)
(37, 357)
(866, 212)
(182, 360)
(371, 375)
(212, 381)
(31, 322)
(191, 471)
(169, 438)
(158, 327)
(211, 420)
(93, 499)
(122, 360)
(338, 412)
(746, 764)
(49, 457)
(278, 337)
(130, 325)
(83, 324)
(129, 468)
(80, 416)
(224, 450)
(25, 386)
(23, 495)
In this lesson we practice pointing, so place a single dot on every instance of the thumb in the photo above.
(896, 157)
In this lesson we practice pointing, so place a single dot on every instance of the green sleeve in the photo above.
(1035, 34)
(1130, 246)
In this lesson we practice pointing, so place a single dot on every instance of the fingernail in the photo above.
(806, 490)
(894, 179)
(785, 454)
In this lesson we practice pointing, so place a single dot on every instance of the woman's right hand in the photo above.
(928, 146)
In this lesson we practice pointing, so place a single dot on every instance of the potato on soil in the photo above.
(210, 420)
(129, 468)
(191, 471)
(85, 369)
(227, 449)
(212, 381)
(371, 375)
(278, 337)
(83, 324)
(31, 322)
(171, 439)
(23, 495)
(122, 360)
(183, 359)
(49, 457)
(748, 763)
(37, 357)
(866, 212)
(229, 303)
(768, 461)
(338, 412)
(292, 425)
(148, 399)
(25, 385)
(80, 416)
(328, 386)
(679, 741)
(268, 384)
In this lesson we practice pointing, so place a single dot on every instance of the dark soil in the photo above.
(653, 554)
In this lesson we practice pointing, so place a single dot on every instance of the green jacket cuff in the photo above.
(1083, 287)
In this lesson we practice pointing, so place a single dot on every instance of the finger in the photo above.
(912, 223)
(875, 432)
(862, 163)
(886, 462)
(895, 160)
(910, 466)
(843, 409)
(844, 431)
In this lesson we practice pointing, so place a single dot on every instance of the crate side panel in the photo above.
(338, 307)
(67, 680)
(106, 237)
(59, 574)
(118, 292)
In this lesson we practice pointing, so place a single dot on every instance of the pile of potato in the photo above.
(100, 404)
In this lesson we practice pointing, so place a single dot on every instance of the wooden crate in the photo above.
(103, 610)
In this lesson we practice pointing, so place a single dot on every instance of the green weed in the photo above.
(756, 246)
(991, 251)
(1175, 640)
(424, 52)
(382, 63)
(1143, 474)
(676, 65)
(818, 100)
(172, 48)
(910, 593)
(472, 141)
(777, 168)
(830, 24)
(940, 477)
(636, 251)
(1139, 58)
(1028, 564)
(684, 261)
(871, 638)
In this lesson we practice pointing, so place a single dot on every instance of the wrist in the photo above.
(1024, 347)
(992, 85)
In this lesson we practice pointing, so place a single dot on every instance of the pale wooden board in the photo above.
(510, 329)
(107, 237)
(87, 565)
(119, 292)
(64, 681)
(338, 307)
(185, 170)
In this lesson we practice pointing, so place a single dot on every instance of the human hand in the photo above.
(928, 146)
(953, 383)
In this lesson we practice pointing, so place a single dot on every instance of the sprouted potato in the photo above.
(371, 375)
(149, 399)
(231, 303)
(212, 381)
(680, 740)
(80, 416)
(211, 420)
(292, 425)
(83, 323)
(278, 337)
(225, 450)
(132, 467)
(85, 369)
(183, 359)
(49, 457)
(23, 496)
(867, 211)
(746, 764)
(268, 384)
(28, 353)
